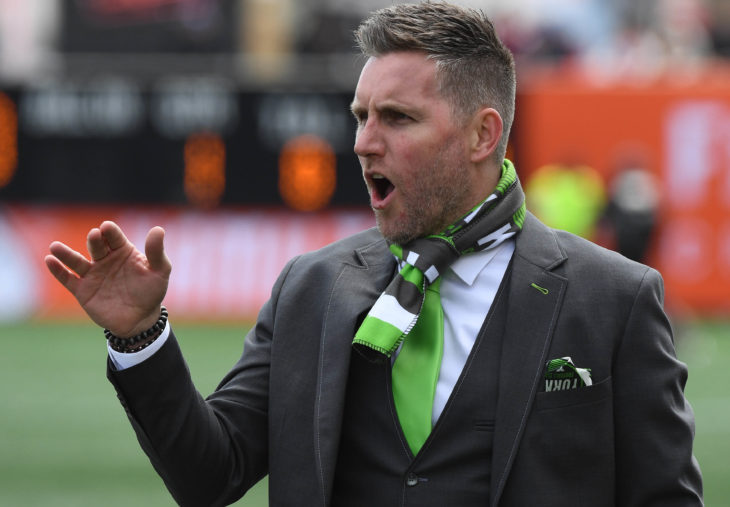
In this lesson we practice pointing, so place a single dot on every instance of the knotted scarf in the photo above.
(499, 217)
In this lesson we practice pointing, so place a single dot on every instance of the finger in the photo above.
(154, 249)
(113, 235)
(96, 246)
(70, 257)
(62, 274)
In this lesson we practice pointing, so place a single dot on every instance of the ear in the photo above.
(486, 131)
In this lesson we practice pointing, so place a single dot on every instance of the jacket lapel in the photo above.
(535, 298)
(355, 290)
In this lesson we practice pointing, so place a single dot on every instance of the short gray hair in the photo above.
(475, 69)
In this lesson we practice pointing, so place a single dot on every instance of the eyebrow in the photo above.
(356, 108)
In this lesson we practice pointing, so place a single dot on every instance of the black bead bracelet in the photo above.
(140, 341)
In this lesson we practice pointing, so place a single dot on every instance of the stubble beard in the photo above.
(440, 201)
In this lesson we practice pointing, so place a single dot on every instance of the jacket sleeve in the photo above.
(654, 423)
(208, 452)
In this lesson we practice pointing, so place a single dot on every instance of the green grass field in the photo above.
(64, 437)
(65, 441)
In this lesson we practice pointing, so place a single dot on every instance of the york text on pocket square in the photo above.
(561, 374)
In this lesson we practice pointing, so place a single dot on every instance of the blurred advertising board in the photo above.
(112, 140)
(678, 128)
(224, 263)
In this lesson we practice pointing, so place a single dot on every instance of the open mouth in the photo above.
(382, 186)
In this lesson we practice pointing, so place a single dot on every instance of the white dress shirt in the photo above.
(468, 289)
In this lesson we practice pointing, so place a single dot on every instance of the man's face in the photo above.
(414, 154)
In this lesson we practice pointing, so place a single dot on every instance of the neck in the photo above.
(488, 176)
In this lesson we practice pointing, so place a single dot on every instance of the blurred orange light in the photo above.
(307, 173)
(205, 169)
(8, 139)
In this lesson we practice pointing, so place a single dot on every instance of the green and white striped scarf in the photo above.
(394, 314)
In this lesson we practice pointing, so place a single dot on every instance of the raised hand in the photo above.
(120, 288)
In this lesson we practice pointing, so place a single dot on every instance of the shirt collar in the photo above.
(467, 267)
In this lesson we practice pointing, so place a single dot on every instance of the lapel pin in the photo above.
(541, 289)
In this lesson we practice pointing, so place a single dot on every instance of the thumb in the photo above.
(154, 249)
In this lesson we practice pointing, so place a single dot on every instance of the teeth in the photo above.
(378, 177)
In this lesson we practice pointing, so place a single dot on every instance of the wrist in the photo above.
(143, 324)
(140, 340)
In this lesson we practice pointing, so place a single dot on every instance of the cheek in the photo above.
(414, 155)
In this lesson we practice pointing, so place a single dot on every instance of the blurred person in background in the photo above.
(567, 196)
(656, 35)
(719, 27)
(461, 353)
(682, 25)
(632, 211)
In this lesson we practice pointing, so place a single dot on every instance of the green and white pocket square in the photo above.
(561, 374)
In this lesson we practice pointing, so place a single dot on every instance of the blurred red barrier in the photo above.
(224, 263)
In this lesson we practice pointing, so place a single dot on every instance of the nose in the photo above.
(368, 140)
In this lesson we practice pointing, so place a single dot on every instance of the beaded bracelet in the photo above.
(140, 341)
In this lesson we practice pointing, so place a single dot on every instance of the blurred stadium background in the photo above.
(227, 123)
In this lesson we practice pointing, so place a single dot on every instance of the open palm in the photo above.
(119, 287)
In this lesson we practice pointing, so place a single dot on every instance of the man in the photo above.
(544, 366)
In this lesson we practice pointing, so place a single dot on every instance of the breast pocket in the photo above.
(573, 397)
(567, 428)
(568, 445)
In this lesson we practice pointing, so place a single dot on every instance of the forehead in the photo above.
(408, 77)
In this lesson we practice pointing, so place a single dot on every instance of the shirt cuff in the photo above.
(122, 361)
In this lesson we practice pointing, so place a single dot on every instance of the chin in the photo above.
(393, 233)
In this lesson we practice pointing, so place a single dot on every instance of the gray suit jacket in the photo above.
(626, 440)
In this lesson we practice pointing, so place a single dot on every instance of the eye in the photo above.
(361, 117)
(397, 117)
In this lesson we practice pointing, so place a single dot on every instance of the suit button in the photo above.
(411, 480)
